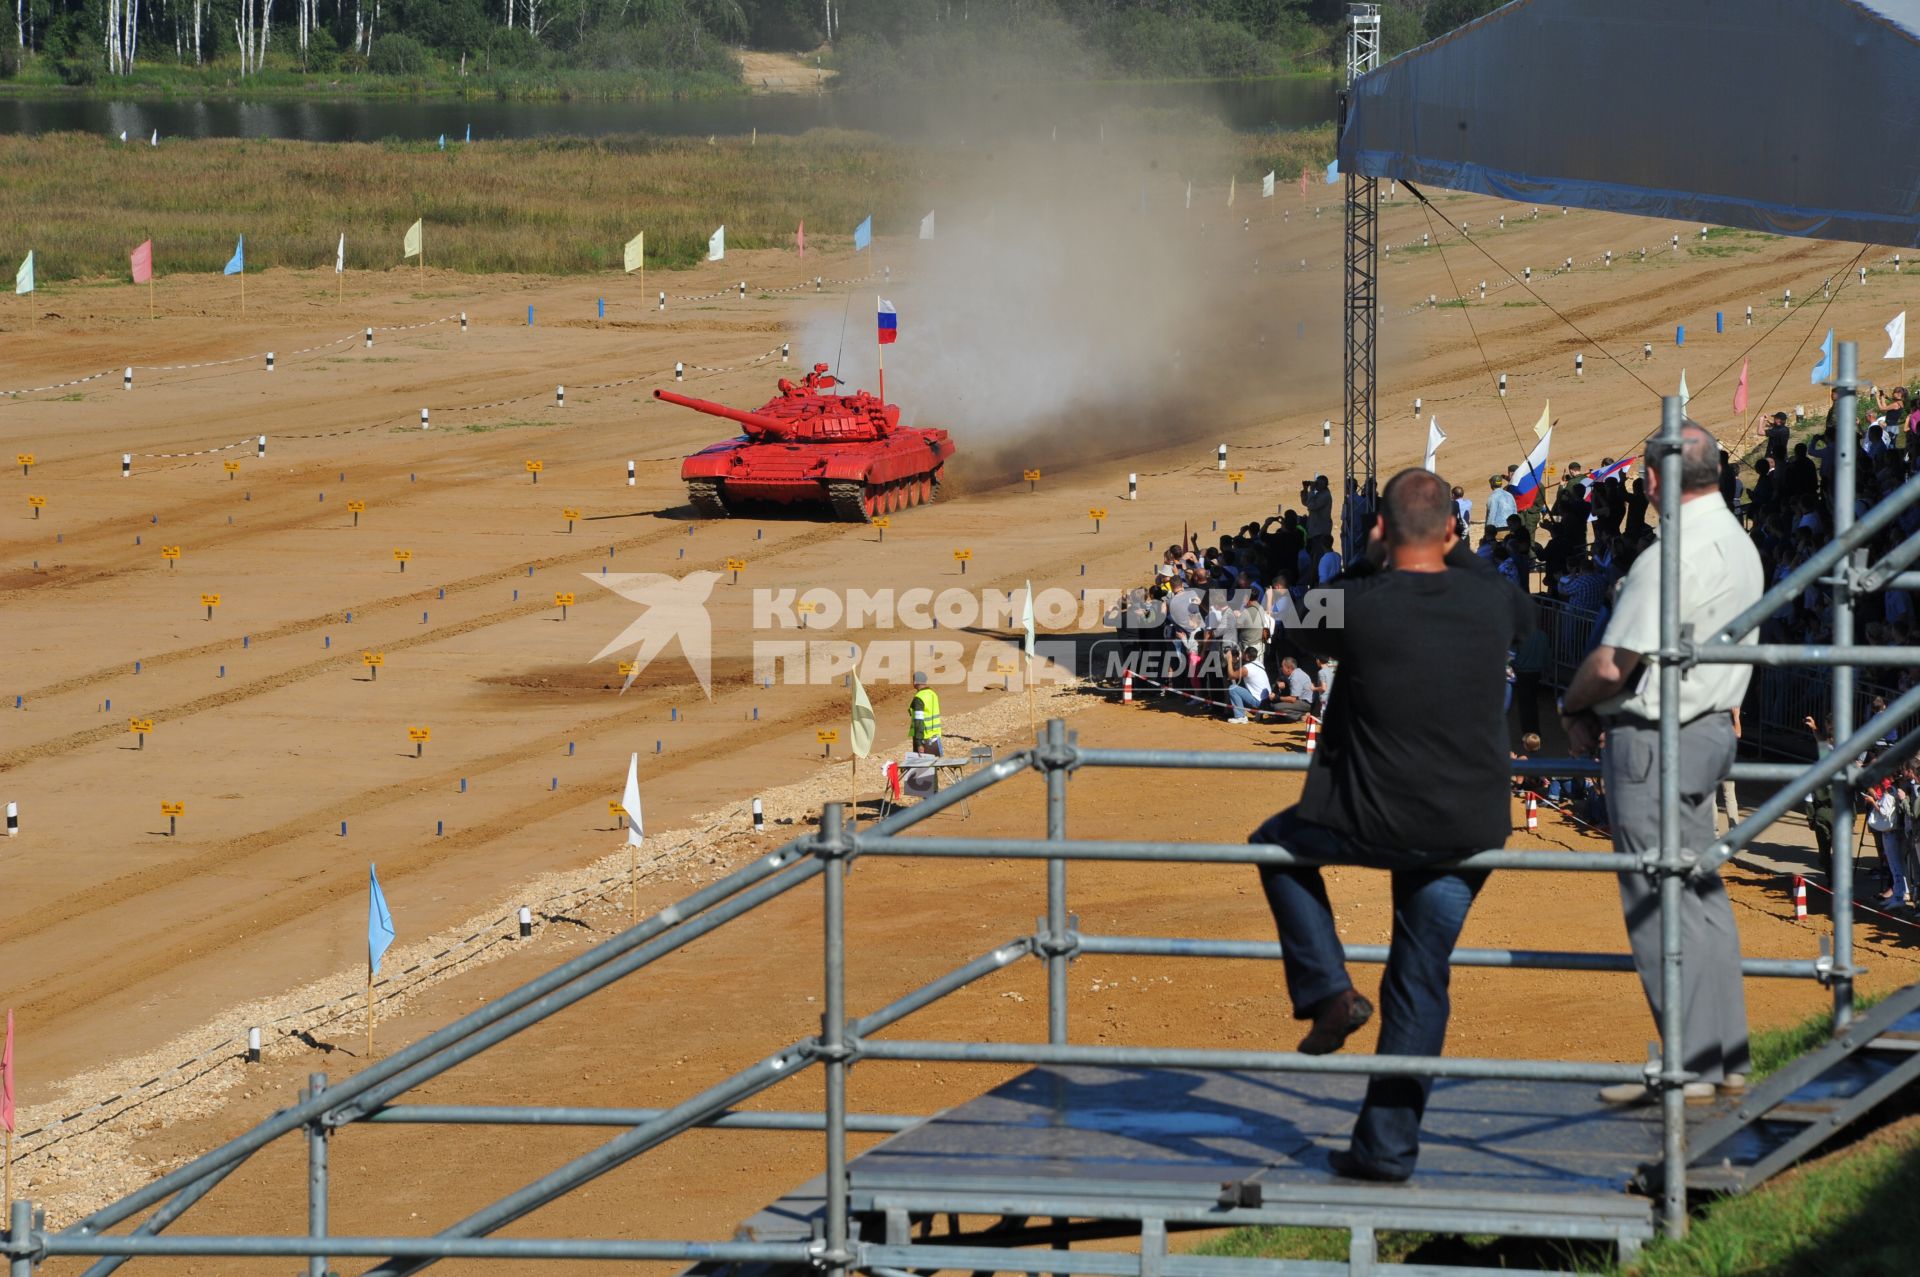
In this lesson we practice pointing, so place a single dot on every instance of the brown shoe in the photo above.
(1338, 1018)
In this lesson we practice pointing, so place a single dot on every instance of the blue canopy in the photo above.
(1795, 117)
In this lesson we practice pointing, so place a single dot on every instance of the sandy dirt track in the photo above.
(116, 940)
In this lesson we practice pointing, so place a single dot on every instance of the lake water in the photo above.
(1245, 106)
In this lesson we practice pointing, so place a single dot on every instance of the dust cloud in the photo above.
(1071, 306)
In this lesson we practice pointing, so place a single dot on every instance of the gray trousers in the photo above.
(1713, 1013)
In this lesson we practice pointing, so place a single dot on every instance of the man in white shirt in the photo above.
(1250, 688)
(1720, 577)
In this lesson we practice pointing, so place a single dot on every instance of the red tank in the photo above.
(806, 446)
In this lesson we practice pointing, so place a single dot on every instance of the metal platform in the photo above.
(1125, 1152)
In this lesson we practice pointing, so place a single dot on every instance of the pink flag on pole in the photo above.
(1303, 183)
(143, 263)
(1740, 393)
(800, 238)
(6, 1078)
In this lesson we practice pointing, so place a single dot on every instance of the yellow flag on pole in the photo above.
(864, 725)
(636, 252)
(415, 245)
(1545, 423)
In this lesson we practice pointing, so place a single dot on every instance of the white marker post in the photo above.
(1579, 365)
(425, 421)
(1749, 315)
(1646, 350)
(1503, 385)
(253, 1046)
(679, 371)
(126, 465)
(663, 301)
(463, 322)
(1416, 406)
(1326, 432)
(1221, 456)
(126, 379)
(260, 447)
(526, 922)
(369, 338)
(743, 290)
(629, 474)
(783, 352)
(13, 820)
(1133, 487)
(759, 818)
(559, 396)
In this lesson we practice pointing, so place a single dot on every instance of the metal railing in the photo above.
(824, 854)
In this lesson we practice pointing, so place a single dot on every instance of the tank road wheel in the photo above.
(705, 496)
(873, 498)
(896, 497)
(849, 502)
(936, 484)
(923, 490)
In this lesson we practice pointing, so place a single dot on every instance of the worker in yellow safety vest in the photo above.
(924, 716)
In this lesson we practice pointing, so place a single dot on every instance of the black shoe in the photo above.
(1347, 1166)
(1337, 1019)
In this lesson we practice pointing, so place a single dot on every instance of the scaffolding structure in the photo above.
(1360, 307)
(841, 1246)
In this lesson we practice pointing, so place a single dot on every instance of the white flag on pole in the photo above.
(23, 278)
(1434, 439)
(1685, 394)
(414, 245)
(340, 256)
(155, 139)
(926, 227)
(630, 804)
(1897, 335)
(717, 244)
(1266, 186)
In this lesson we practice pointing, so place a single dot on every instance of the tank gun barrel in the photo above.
(754, 422)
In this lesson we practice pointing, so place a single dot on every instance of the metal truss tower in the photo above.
(1361, 304)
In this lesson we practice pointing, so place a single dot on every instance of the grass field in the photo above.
(564, 206)
(1846, 1215)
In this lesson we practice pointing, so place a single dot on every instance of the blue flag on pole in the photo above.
(238, 262)
(443, 141)
(1333, 172)
(379, 921)
(469, 132)
(1823, 371)
(863, 234)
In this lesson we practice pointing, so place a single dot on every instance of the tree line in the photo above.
(872, 42)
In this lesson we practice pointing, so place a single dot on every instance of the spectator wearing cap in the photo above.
(1779, 439)
(923, 717)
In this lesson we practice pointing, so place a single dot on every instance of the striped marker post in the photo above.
(269, 361)
(126, 465)
(629, 474)
(1126, 687)
(253, 1046)
(369, 339)
(526, 922)
(13, 820)
(1799, 884)
(425, 420)
(1533, 810)
(759, 817)
(126, 379)
(1313, 733)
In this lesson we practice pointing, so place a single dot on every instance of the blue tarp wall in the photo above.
(1796, 117)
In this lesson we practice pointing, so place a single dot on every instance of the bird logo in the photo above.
(672, 608)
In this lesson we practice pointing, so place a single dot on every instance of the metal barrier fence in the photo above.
(373, 1095)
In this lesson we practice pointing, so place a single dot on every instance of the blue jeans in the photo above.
(1243, 700)
(1890, 853)
(1429, 908)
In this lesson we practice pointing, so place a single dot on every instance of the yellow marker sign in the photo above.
(231, 467)
(535, 467)
(1236, 476)
(961, 556)
(36, 502)
(23, 458)
(139, 724)
(173, 809)
(627, 668)
(1553, 472)
(418, 734)
(736, 565)
(615, 810)
(373, 658)
(883, 523)
(803, 608)
(356, 507)
(1031, 476)
(1003, 667)
(563, 599)
(1098, 512)
(209, 600)
(169, 551)
(826, 736)
(401, 556)
(570, 513)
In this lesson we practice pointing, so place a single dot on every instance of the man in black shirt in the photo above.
(1412, 771)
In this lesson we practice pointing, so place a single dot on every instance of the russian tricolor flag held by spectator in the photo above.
(889, 323)
(1528, 479)
(1622, 468)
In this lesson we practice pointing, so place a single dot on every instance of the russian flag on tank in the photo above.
(889, 323)
(1527, 480)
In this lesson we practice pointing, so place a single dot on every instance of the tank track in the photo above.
(849, 501)
(705, 495)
